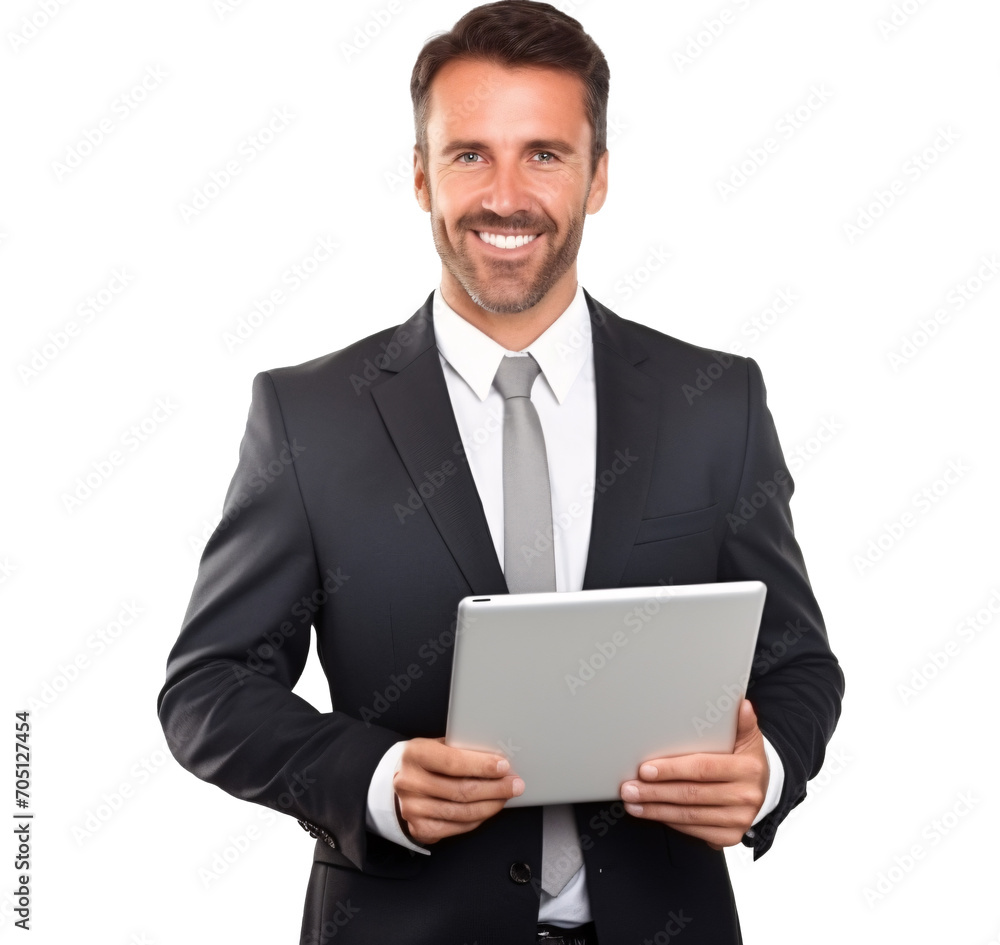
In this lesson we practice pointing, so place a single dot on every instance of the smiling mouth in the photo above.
(506, 242)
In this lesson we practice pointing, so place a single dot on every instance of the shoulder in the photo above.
(359, 366)
(688, 369)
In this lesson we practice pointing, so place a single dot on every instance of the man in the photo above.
(383, 504)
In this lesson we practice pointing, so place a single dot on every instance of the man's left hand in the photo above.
(712, 796)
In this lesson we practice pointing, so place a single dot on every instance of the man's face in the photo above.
(507, 180)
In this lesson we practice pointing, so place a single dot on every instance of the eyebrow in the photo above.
(551, 144)
(464, 146)
(539, 144)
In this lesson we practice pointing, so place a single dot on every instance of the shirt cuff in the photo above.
(775, 782)
(380, 814)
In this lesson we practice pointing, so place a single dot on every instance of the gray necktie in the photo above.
(529, 564)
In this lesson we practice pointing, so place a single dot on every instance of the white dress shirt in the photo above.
(564, 395)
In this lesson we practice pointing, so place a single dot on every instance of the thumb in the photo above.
(747, 731)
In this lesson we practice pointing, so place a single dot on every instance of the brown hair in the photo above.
(517, 33)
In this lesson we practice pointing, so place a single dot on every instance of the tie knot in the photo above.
(515, 376)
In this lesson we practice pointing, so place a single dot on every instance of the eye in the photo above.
(545, 157)
(469, 154)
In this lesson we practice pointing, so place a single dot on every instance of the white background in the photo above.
(908, 767)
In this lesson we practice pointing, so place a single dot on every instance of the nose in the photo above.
(509, 190)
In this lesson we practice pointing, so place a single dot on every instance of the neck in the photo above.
(512, 330)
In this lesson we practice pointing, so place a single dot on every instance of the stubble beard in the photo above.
(506, 288)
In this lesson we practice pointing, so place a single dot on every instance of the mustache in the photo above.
(493, 223)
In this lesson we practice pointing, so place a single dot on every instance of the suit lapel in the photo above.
(417, 412)
(627, 420)
(416, 409)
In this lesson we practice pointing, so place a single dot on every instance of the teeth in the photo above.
(506, 242)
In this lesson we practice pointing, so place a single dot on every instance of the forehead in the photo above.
(473, 98)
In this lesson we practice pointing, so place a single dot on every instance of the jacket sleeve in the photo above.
(227, 707)
(796, 684)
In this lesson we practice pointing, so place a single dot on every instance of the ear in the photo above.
(598, 185)
(420, 187)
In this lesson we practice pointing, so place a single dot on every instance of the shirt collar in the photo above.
(561, 350)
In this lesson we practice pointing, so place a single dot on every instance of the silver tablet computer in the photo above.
(577, 689)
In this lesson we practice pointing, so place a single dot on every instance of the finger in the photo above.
(684, 816)
(435, 755)
(699, 766)
(746, 725)
(716, 837)
(416, 780)
(694, 793)
(747, 716)
(418, 807)
(429, 830)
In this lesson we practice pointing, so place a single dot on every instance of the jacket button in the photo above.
(520, 873)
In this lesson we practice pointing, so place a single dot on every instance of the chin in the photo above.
(496, 307)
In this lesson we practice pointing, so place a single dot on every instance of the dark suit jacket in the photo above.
(352, 509)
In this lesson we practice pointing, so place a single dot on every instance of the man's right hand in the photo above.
(443, 791)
